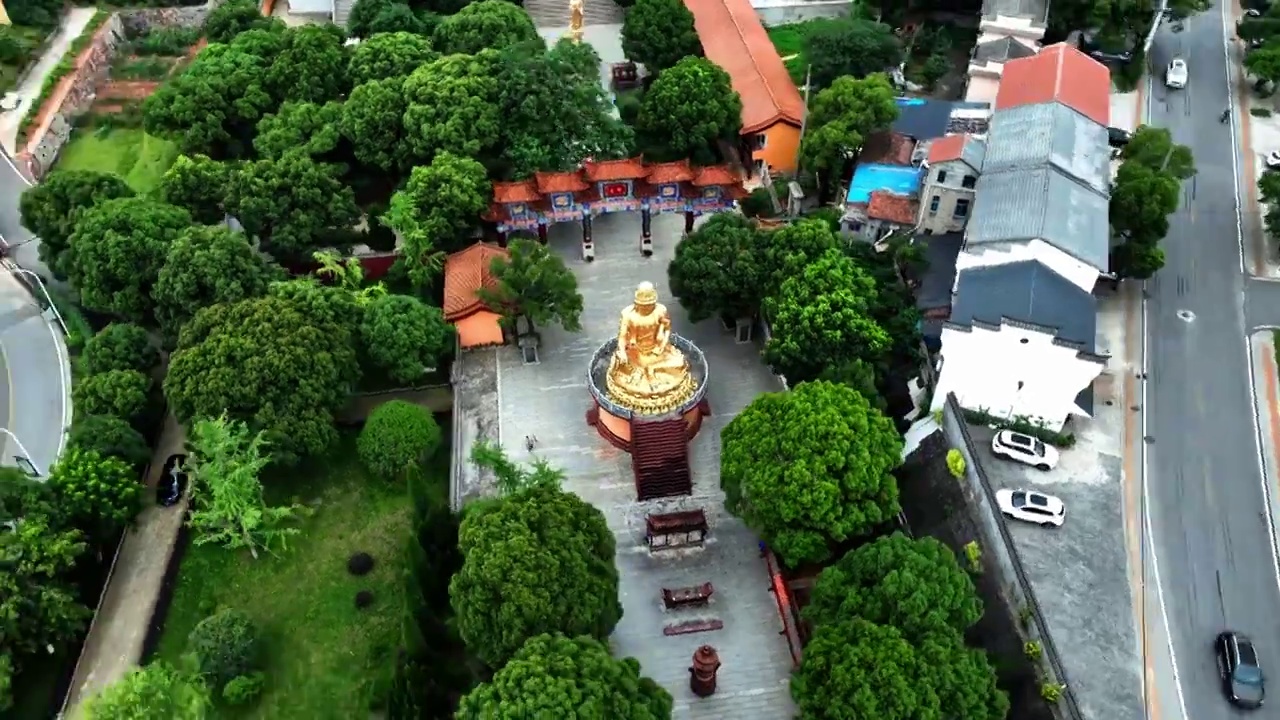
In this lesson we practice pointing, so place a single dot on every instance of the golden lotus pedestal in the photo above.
(668, 393)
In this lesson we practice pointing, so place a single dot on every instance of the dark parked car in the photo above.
(1241, 673)
(1122, 58)
(1118, 137)
(173, 480)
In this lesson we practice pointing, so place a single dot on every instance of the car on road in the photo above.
(1123, 57)
(1241, 672)
(1024, 449)
(173, 480)
(1273, 159)
(1176, 75)
(1118, 137)
(1031, 506)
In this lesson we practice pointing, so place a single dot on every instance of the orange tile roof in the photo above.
(733, 38)
(607, 170)
(1059, 73)
(524, 191)
(715, 175)
(888, 148)
(559, 182)
(894, 208)
(465, 272)
(947, 148)
(672, 172)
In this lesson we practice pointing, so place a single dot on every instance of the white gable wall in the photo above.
(1081, 274)
(1013, 372)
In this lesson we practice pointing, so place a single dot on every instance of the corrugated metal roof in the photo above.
(1049, 134)
(1044, 203)
(1029, 292)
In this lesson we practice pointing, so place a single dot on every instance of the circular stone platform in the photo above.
(597, 381)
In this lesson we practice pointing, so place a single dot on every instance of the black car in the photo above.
(1241, 672)
(1118, 137)
(173, 480)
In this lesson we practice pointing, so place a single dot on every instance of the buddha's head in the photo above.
(646, 298)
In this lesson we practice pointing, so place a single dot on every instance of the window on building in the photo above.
(969, 181)
(760, 141)
(962, 208)
(855, 226)
(933, 204)
(942, 176)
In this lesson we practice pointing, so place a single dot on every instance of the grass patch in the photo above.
(1260, 112)
(325, 659)
(146, 68)
(64, 67)
(789, 41)
(139, 158)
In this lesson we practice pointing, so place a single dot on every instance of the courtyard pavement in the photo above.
(550, 400)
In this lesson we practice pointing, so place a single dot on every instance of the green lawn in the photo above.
(324, 657)
(25, 41)
(788, 40)
(128, 152)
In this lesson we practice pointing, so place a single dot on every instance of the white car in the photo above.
(1031, 506)
(1024, 449)
(1176, 76)
(1273, 159)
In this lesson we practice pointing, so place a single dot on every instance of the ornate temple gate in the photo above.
(611, 186)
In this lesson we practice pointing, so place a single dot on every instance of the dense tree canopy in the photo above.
(373, 122)
(397, 438)
(915, 585)
(51, 209)
(198, 184)
(533, 283)
(790, 249)
(119, 346)
(289, 204)
(302, 126)
(688, 110)
(116, 253)
(312, 67)
(233, 17)
(1145, 193)
(125, 394)
(555, 676)
(810, 467)
(38, 603)
(850, 46)
(109, 437)
(841, 116)
(1269, 195)
(485, 24)
(453, 107)
(1154, 147)
(269, 363)
(437, 211)
(659, 34)
(206, 266)
(537, 561)
(97, 494)
(153, 691)
(857, 669)
(720, 268)
(821, 317)
(405, 337)
(389, 55)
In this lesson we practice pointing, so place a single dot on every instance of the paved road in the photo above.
(1206, 492)
(35, 404)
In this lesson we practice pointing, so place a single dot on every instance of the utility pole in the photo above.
(804, 119)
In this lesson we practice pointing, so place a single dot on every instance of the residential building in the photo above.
(926, 119)
(884, 191)
(950, 183)
(986, 65)
(1018, 338)
(772, 109)
(1024, 20)
(466, 272)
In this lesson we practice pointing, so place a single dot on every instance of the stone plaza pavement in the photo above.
(549, 401)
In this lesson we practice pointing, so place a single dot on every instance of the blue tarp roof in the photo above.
(897, 179)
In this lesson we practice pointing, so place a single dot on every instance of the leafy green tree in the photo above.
(213, 106)
(125, 394)
(485, 24)
(289, 204)
(51, 209)
(437, 211)
(504, 595)
(915, 585)
(659, 34)
(233, 17)
(810, 468)
(154, 691)
(389, 55)
(850, 46)
(228, 507)
(6, 680)
(371, 17)
(197, 184)
(225, 646)
(841, 116)
(301, 125)
(313, 65)
(1264, 62)
(935, 68)
(1137, 259)
(820, 317)
(791, 248)
(270, 362)
(533, 283)
(1269, 195)
(39, 605)
(719, 269)
(826, 149)
(397, 438)
(109, 437)
(512, 477)
(453, 107)
(119, 346)
(962, 678)
(399, 17)
(117, 250)
(100, 495)
(555, 676)
(1154, 147)
(1142, 199)
(688, 110)
(405, 337)
(373, 122)
(206, 266)
(322, 304)
(557, 112)
(857, 669)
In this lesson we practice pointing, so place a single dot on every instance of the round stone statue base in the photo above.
(657, 402)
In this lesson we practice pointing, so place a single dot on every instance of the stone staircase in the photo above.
(555, 13)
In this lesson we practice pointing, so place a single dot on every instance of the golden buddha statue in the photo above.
(647, 373)
(575, 20)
